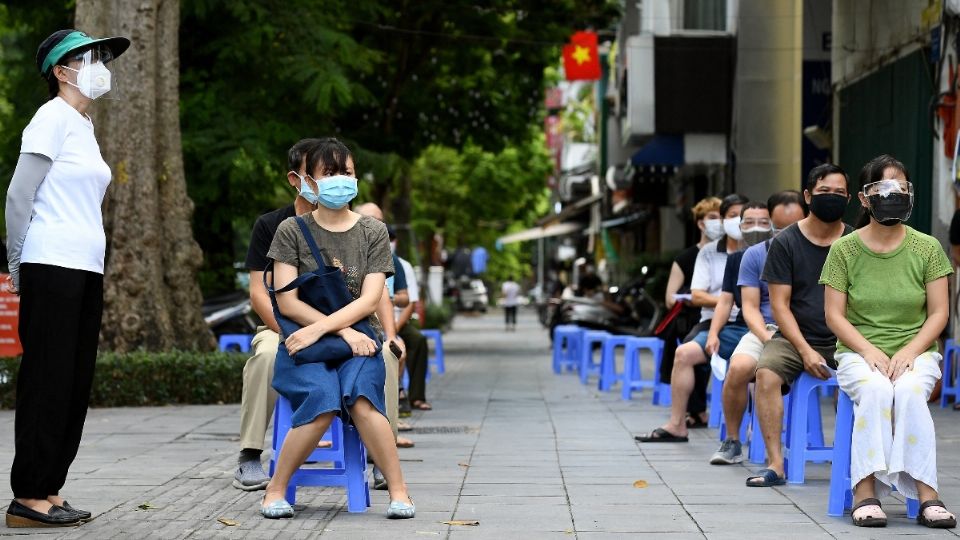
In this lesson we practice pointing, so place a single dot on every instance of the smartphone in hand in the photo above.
(395, 349)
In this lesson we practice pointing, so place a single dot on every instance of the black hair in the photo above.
(731, 200)
(330, 155)
(753, 205)
(784, 198)
(822, 171)
(873, 171)
(297, 152)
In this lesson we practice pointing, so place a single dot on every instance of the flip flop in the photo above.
(422, 405)
(870, 521)
(943, 523)
(660, 435)
(769, 476)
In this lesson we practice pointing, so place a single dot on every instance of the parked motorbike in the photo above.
(230, 314)
(631, 312)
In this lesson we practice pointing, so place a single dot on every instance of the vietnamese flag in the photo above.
(580, 58)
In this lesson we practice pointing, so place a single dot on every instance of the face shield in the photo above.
(89, 74)
(890, 200)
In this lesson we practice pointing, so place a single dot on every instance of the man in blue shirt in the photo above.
(750, 291)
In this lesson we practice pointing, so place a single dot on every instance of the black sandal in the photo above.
(660, 435)
(868, 521)
(945, 523)
(767, 478)
(695, 422)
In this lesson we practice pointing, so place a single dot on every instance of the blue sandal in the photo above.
(401, 510)
(769, 478)
(277, 510)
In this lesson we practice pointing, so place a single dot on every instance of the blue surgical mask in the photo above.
(336, 191)
(306, 191)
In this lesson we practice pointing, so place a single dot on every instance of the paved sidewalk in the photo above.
(527, 453)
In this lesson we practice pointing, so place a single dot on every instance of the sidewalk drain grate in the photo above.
(444, 430)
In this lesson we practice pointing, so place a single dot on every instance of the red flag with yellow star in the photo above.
(580, 58)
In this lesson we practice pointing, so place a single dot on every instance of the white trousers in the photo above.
(893, 434)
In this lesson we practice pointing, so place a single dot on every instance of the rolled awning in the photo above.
(662, 150)
(556, 229)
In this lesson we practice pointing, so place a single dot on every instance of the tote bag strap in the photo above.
(314, 248)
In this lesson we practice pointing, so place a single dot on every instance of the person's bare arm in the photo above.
(955, 252)
(405, 315)
(260, 300)
(750, 308)
(401, 298)
(780, 303)
(315, 327)
(673, 284)
(702, 298)
(720, 316)
(385, 314)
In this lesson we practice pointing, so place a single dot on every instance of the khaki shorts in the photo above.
(751, 345)
(782, 358)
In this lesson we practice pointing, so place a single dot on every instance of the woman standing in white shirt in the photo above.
(55, 250)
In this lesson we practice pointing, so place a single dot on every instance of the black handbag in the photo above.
(325, 290)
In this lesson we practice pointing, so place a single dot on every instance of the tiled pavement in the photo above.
(525, 452)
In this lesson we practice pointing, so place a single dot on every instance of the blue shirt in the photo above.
(478, 260)
(751, 272)
(398, 281)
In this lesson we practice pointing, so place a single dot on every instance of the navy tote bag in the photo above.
(324, 290)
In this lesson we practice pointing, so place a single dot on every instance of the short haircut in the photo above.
(753, 205)
(784, 198)
(297, 152)
(330, 156)
(732, 200)
(704, 207)
(822, 171)
(873, 170)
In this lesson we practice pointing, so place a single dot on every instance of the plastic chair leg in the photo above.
(840, 467)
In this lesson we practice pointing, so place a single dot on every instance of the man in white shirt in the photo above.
(510, 291)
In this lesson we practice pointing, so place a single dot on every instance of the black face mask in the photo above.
(891, 210)
(828, 207)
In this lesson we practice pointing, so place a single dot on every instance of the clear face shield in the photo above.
(88, 73)
(890, 200)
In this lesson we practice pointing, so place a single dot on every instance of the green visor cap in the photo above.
(77, 40)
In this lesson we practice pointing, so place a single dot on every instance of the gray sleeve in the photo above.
(30, 172)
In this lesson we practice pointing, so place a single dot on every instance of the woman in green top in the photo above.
(886, 300)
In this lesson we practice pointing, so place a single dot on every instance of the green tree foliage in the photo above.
(391, 78)
(474, 196)
(23, 25)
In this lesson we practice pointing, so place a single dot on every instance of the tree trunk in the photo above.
(151, 295)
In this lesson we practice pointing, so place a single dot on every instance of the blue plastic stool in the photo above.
(716, 402)
(241, 341)
(566, 347)
(348, 456)
(587, 366)
(841, 493)
(951, 380)
(757, 452)
(608, 362)
(804, 440)
(435, 360)
(632, 375)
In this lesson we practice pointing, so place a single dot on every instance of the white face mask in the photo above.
(713, 228)
(731, 226)
(93, 80)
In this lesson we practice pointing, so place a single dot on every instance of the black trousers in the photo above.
(60, 314)
(698, 398)
(511, 314)
(417, 357)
